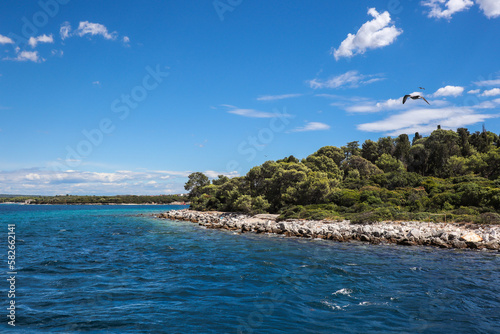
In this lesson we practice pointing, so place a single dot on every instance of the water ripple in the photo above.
(95, 269)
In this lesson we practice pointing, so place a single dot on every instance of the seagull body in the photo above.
(414, 97)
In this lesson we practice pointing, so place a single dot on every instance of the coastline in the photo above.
(18, 203)
(442, 235)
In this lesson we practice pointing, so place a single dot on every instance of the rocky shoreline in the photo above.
(443, 235)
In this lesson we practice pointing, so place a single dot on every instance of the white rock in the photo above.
(471, 237)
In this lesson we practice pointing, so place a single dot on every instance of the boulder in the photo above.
(459, 244)
(364, 237)
(415, 233)
(471, 237)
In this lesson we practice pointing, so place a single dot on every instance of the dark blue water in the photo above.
(105, 269)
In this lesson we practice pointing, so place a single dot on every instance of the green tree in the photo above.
(351, 149)
(388, 163)
(363, 166)
(332, 152)
(220, 180)
(440, 145)
(386, 145)
(322, 163)
(417, 158)
(465, 148)
(289, 159)
(416, 137)
(456, 166)
(195, 183)
(369, 150)
(402, 148)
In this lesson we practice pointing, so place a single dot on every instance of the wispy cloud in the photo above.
(94, 29)
(350, 79)
(26, 56)
(474, 91)
(425, 120)
(312, 126)
(277, 97)
(252, 113)
(445, 9)
(58, 53)
(65, 30)
(491, 82)
(487, 104)
(371, 106)
(90, 29)
(126, 40)
(373, 34)
(33, 41)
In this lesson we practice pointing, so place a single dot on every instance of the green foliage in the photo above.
(363, 166)
(195, 182)
(369, 150)
(388, 163)
(96, 200)
(447, 175)
(311, 212)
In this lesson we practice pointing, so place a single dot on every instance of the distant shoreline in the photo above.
(173, 203)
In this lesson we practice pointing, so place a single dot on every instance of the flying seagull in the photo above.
(422, 88)
(414, 97)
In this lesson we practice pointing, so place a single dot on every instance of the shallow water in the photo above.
(107, 269)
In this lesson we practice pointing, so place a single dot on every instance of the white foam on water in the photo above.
(343, 291)
(333, 306)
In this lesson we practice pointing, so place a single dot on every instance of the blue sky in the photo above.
(129, 97)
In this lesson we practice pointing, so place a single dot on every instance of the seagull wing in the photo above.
(405, 97)
(423, 98)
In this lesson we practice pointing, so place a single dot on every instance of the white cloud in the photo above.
(373, 34)
(446, 8)
(65, 30)
(312, 126)
(487, 104)
(126, 40)
(370, 106)
(89, 28)
(33, 41)
(492, 82)
(41, 181)
(491, 8)
(491, 92)
(449, 91)
(277, 97)
(474, 91)
(58, 53)
(96, 83)
(351, 79)
(252, 113)
(5, 40)
(425, 120)
(26, 56)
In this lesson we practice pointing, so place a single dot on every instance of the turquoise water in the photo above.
(109, 269)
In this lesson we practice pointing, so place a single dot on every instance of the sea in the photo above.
(118, 269)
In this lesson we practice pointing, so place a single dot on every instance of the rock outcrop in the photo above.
(443, 235)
